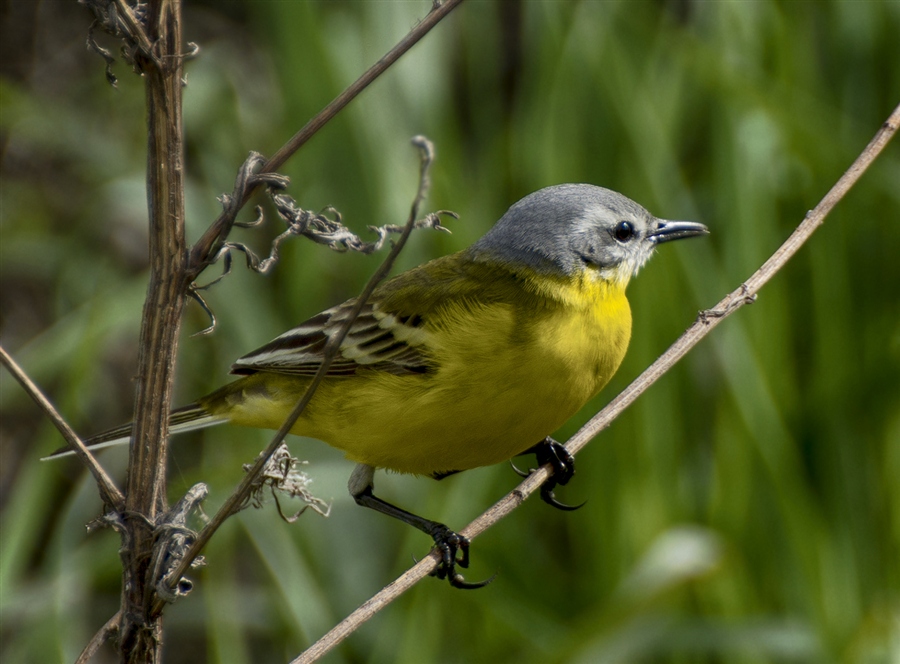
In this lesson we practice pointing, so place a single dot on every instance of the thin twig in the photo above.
(246, 487)
(705, 323)
(744, 294)
(438, 12)
(102, 636)
(209, 243)
(111, 494)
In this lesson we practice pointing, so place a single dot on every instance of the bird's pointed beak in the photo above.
(676, 230)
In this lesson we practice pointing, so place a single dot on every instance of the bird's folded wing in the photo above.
(390, 334)
(376, 339)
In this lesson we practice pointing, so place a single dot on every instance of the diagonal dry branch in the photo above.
(109, 492)
(210, 243)
(106, 632)
(745, 293)
(242, 493)
(706, 321)
(214, 240)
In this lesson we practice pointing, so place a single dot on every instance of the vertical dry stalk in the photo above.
(145, 488)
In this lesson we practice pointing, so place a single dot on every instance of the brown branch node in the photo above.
(127, 23)
(173, 540)
(744, 297)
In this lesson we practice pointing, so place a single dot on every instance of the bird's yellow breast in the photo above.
(507, 374)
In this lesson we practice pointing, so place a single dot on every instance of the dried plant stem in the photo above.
(705, 323)
(102, 636)
(109, 492)
(242, 493)
(140, 632)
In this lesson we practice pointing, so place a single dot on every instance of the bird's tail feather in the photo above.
(183, 419)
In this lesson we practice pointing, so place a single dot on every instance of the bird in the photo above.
(465, 361)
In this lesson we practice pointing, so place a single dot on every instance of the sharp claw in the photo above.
(457, 581)
(464, 561)
(548, 497)
(520, 473)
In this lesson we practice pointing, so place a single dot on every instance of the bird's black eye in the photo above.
(623, 231)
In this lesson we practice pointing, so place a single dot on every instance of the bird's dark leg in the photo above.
(447, 542)
(563, 463)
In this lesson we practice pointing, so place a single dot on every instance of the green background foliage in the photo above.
(746, 509)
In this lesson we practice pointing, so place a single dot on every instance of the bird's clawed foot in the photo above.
(563, 463)
(449, 544)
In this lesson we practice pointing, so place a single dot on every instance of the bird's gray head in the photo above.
(565, 228)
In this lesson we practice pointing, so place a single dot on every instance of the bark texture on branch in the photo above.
(145, 489)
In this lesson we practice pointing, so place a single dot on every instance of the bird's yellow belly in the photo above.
(493, 395)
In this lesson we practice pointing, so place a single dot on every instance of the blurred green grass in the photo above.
(746, 509)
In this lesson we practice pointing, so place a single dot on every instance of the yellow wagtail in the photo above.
(466, 361)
